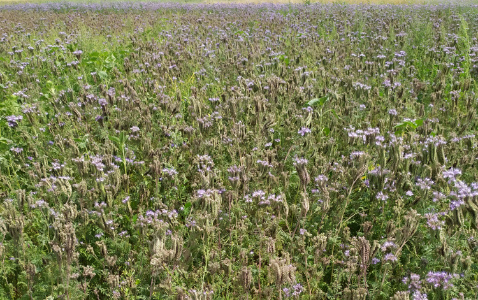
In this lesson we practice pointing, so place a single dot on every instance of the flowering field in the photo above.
(180, 151)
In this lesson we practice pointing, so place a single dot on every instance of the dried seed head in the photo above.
(113, 281)
(305, 204)
(404, 295)
(367, 226)
(363, 247)
(360, 294)
(348, 294)
(111, 260)
(21, 196)
(214, 267)
(245, 278)
(276, 270)
(30, 270)
(89, 271)
(103, 249)
(270, 245)
(412, 219)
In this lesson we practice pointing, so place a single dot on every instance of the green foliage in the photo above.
(299, 151)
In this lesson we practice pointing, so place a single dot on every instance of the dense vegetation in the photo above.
(164, 151)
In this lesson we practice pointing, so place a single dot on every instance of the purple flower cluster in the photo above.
(13, 120)
(441, 279)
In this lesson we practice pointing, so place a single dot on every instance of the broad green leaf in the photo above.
(102, 74)
(114, 139)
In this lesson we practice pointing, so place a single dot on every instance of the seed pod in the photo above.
(472, 207)
(276, 271)
(360, 294)
(411, 225)
(367, 227)
(245, 278)
(404, 295)
(347, 294)
(270, 245)
(441, 154)
(458, 217)
(305, 204)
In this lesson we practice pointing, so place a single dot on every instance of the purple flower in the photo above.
(440, 279)
(433, 222)
(419, 296)
(300, 161)
(414, 283)
(451, 174)
(297, 289)
(355, 154)
(388, 244)
(134, 129)
(390, 257)
(13, 120)
(304, 130)
(286, 292)
(424, 184)
(102, 102)
(16, 150)
(382, 196)
(170, 171)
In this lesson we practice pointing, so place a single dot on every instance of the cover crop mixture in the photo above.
(165, 151)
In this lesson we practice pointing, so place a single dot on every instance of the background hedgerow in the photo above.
(167, 151)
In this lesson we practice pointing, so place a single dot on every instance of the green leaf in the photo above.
(103, 75)
(114, 139)
(122, 137)
(419, 122)
(335, 114)
(318, 101)
(187, 208)
(326, 131)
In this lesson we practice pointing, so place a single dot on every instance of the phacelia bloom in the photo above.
(13, 120)
(424, 184)
(440, 279)
(419, 296)
(414, 282)
(16, 150)
(304, 130)
(297, 289)
(388, 244)
(433, 222)
(300, 161)
(102, 102)
(286, 292)
(170, 171)
(134, 129)
(390, 257)
(355, 154)
(382, 196)
(451, 174)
